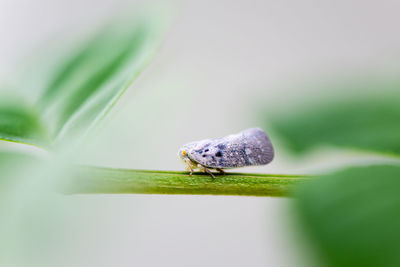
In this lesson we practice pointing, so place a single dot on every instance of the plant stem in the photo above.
(95, 180)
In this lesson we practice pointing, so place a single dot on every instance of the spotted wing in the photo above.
(247, 148)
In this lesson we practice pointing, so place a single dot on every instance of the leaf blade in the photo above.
(352, 217)
(92, 79)
(21, 124)
(364, 123)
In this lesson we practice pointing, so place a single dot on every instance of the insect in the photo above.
(248, 148)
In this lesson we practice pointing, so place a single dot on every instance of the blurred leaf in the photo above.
(353, 216)
(19, 123)
(82, 85)
(367, 123)
(30, 211)
(90, 80)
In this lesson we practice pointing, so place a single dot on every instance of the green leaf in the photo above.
(82, 85)
(352, 217)
(19, 123)
(88, 83)
(119, 181)
(366, 123)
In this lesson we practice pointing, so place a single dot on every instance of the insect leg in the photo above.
(189, 166)
(221, 171)
(191, 170)
(206, 170)
(209, 172)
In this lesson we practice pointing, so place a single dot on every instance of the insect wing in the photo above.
(247, 148)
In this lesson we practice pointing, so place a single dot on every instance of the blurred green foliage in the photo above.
(20, 123)
(73, 96)
(366, 123)
(83, 86)
(353, 217)
(91, 80)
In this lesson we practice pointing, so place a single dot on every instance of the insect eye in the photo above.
(184, 152)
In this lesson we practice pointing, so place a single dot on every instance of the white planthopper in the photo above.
(250, 147)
